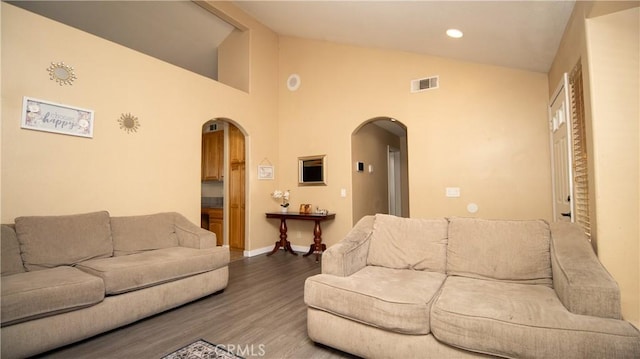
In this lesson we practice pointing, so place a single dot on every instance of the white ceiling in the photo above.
(518, 34)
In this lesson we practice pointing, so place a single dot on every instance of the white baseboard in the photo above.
(263, 250)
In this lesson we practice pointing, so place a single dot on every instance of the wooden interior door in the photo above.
(236, 188)
(561, 155)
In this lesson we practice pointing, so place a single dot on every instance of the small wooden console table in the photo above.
(316, 247)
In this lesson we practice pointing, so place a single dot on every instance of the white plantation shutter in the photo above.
(580, 168)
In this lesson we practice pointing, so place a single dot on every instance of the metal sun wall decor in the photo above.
(129, 123)
(62, 73)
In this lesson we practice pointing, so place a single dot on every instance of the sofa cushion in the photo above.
(41, 293)
(136, 271)
(11, 261)
(51, 241)
(408, 243)
(517, 321)
(398, 300)
(515, 251)
(134, 234)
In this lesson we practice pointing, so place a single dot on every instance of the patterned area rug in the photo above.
(202, 349)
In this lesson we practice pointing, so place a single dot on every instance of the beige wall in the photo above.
(370, 193)
(233, 60)
(614, 53)
(484, 130)
(596, 31)
(157, 168)
(1, 124)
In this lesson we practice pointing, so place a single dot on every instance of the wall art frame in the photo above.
(41, 115)
(312, 170)
(266, 172)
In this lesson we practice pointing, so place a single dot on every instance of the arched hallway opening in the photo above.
(223, 186)
(380, 181)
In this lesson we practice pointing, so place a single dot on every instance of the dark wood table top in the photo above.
(302, 216)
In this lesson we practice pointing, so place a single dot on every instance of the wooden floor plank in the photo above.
(261, 313)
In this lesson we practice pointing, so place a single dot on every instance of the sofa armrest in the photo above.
(192, 236)
(583, 285)
(350, 254)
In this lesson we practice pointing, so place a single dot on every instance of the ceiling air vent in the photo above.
(427, 83)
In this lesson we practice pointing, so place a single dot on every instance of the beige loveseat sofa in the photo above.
(66, 278)
(461, 287)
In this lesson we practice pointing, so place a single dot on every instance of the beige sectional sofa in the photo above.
(461, 287)
(67, 278)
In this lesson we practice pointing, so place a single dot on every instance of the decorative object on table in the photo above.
(202, 349)
(284, 196)
(53, 117)
(62, 73)
(321, 211)
(305, 208)
(129, 123)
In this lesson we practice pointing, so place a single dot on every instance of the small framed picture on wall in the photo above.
(265, 172)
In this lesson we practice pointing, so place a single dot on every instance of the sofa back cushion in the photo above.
(408, 243)
(507, 250)
(134, 234)
(11, 261)
(51, 241)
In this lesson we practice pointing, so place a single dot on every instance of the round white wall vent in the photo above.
(472, 208)
(293, 82)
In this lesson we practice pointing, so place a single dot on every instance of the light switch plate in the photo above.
(453, 192)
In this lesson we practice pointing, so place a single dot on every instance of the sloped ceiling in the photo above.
(518, 34)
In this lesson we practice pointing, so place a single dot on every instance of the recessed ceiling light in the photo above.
(455, 33)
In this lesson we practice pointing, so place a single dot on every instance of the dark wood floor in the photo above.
(261, 313)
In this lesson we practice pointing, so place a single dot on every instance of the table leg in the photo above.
(283, 242)
(317, 246)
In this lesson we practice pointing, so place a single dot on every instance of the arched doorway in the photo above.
(380, 181)
(223, 183)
